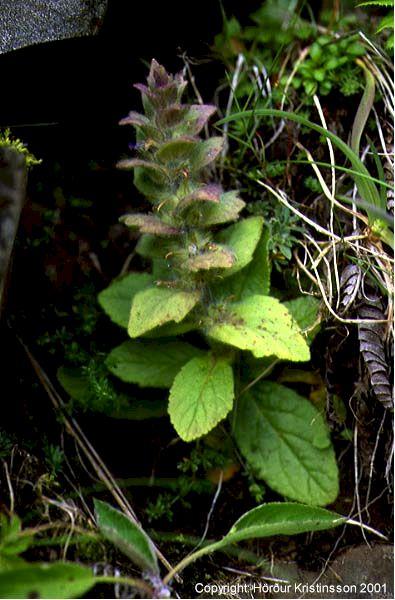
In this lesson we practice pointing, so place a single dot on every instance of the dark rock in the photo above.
(28, 22)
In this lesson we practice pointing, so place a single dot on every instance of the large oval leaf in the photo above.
(287, 443)
(281, 518)
(116, 299)
(201, 396)
(150, 364)
(260, 324)
(56, 580)
(127, 536)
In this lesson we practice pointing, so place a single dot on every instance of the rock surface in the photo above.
(27, 22)
(358, 572)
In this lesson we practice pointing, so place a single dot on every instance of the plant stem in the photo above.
(137, 583)
(190, 540)
(262, 375)
(190, 558)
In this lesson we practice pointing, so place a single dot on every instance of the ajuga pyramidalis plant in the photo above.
(210, 274)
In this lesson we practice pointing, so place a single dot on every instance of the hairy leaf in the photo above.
(260, 324)
(157, 305)
(56, 580)
(207, 193)
(150, 364)
(155, 170)
(134, 118)
(196, 118)
(150, 246)
(127, 536)
(116, 299)
(242, 238)
(201, 396)
(156, 187)
(158, 77)
(206, 152)
(228, 209)
(172, 116)
(177, 150)
(149, 224)
(287, 443)
(216, 257)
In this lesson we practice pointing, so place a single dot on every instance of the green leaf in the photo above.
(356, 49)
(158, 305)
(255, 277)
(281, 518)
(315, 52)
(388, 3)
(173, 329)
(206, 152)
(201, 396)
(206, 194)
(75, 382)
(286, 441)
(56, 580)
(153, 247)
(260, 324)
(10, 562)
(150, 364)
(305, 312)
(386, 22)
(177, 150)
(11, 540)
(227, 209)
(242, 238)
(116, 299)
(151, 184)
(196, 118)
(127, 536)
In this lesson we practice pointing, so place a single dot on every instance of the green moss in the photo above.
(8, 141)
